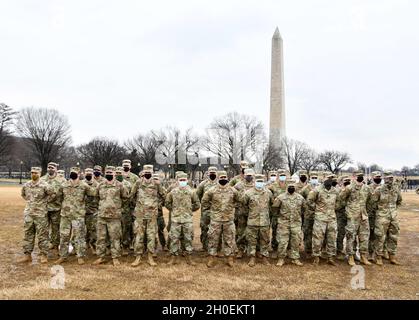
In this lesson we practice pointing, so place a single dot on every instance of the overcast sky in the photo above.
(118, 68)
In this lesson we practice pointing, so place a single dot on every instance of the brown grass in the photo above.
(185, 282)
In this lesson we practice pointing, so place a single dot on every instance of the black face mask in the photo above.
(291, 190)
(327, 184)
(346, 183)
(147, 175)
(243, 171)
(73, 176)
(303, 179)
(334, 183)
(89, 177)
(377, 180)
(248, 178)
(360, 179)
(212, 176)
(126, 169)
(223, 182)
(109, 177)
(97, 174)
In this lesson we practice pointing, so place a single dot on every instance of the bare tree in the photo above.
(334, 160)
(272, 158)
(142, 148)
(6, 121)
(294, 151)
(101, 151)
(47, 132)
(310, 160)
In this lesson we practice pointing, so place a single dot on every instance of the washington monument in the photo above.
(277, 112)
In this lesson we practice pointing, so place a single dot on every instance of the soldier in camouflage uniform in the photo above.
(277, 188)
(309, 214)
(73, 211)
(356, 196)
(221, 202)
(182, 201)
(54, 206)
(149, 194)
(273, 176)
(161, 224)
(323, 201)
(240, 177)
(36, 193)
(126, 219)
(131, 178)
(111, 193)
(376, 182)
(92, 206)
(256, 203)
(203, 187)
(241, 214)
(291, 204)
(97, 172)
(341, 220)
(61, 174)
(386, 198)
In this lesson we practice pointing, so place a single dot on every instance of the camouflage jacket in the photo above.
(74, 197)
(290, 207)
(36, 196)
(241, 188)
(110, 199)
(323, 202)
(387, 199)
(132, 178)
(54, 203)
(371, 206)
(148, 197)
(276, 190)
(257, 205)
(236, 179)
(182, 202)
(299, 186)
(204, 186)
(127, 203)
(92, 202)
(221, 202)
(355, 197)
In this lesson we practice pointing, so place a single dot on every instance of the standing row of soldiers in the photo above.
(245, 214)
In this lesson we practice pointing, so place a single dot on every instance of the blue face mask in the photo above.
(183, 183)
(259, 184)
(314, 182)
(282, 178)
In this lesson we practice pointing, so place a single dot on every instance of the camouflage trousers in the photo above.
(274, 238)
(308, 233)
(356, 227)
(178, 231)
(145, 230)
(35, 227)
(387, 232)
(112, 228)
(341, 224)
(371, 242)
(54, 218)
(76, 226)
(161, 224)
(91, 222)
(227, 231)
(127, 229)
(241, 237)
(289, 237)
(321, 230)
(257, 235)
(204, 224)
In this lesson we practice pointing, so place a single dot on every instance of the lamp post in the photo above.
(20, 179)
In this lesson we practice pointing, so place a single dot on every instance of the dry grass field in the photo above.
(184, 282)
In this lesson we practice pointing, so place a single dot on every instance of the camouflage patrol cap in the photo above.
(212, 169)
(249, 172)
(329, 175)
(148, 168)
(359, 173)
(36, 170)
(87, 170)
(273, 173)
(126, 162)
(388, 174)
(60, 171)
(244, 164)
(259, 176)
(178, 173)
(75, 169)
(110, 168)
(182, 175)
(282, 172)
(376, 174)
(119, 169)
(222, 174)
(52, 164)
(97, 167)
(291, 182)
(156, 176)
(302, 173)
(345, 177)
(314, 174)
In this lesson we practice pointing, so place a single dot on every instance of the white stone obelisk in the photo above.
(277, 112)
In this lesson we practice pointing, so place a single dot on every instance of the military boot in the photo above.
(99, 261)
(116, 262)
(332, 262)
(172, 260)
(364, 260)
(265, 261)
(297, 262)
(25, 258)
(136, 262)
(125, 252)
(316, 261)
(280, 262)
(393, 260)
(275, 254)
(351, 260)
(230, 261)
(239, 254)
(370, 256)
(54, 252)
(258, 255)
(189, 260)
(252, 262)
(341, 256)
(43, 259)
(60, 260)
(80, 261)
(151, 260)
(385, 255)
(378, 261)
(211, 262)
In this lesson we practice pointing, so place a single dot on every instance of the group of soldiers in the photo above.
(117, 212)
